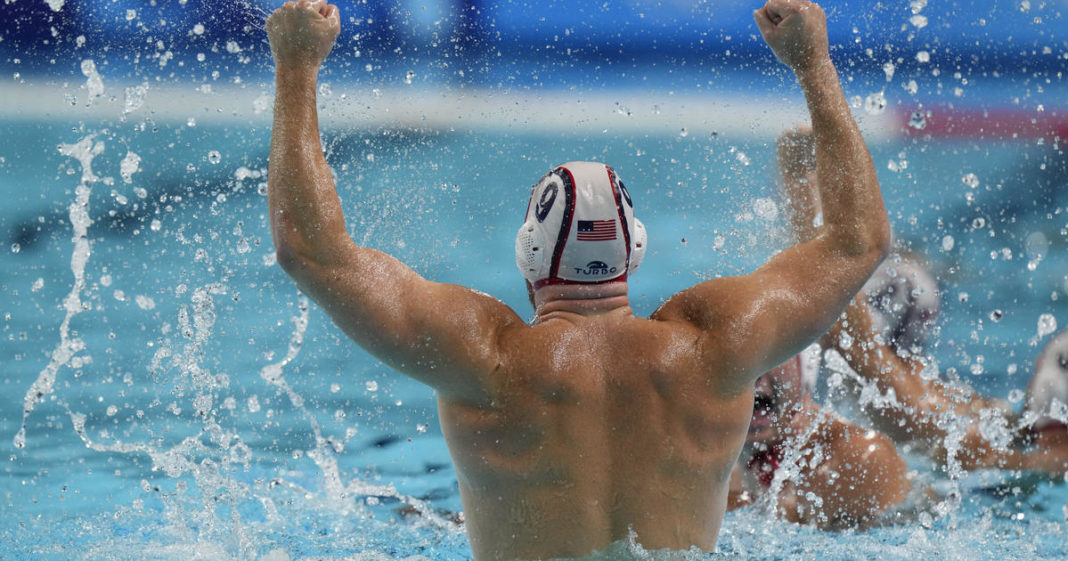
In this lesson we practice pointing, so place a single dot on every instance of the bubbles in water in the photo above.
(947, 243)
(918, 21)
(971, 180)
(131, 15)
(144, 302)
(214, 157)
(15, 247)
(917, 6)
(56, 5)
(875, 103)
(684, 133)
(978, 223)
(1046, 324)
(996, 315)
(94, 83)
(112, 410)
(134, 98)
(155, 225)
(262, 103)
(888, 69)
(1016, 396)
(129, 166)
(325, 90)
(198, 29)
(371, 385)
(232, 47)
(408, 76)
(918, 121)
(923, 56)
(766, 209)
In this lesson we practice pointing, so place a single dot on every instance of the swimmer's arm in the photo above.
(443, 335)
(756, 322)
(305, 212)
(921, 401)
(796, 155)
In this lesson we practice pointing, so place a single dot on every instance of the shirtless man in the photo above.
(881, 336)
(588, 424)
(841, 475)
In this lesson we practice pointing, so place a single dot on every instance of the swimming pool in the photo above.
(201, 409)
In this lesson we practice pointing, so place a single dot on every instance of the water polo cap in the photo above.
(905, 299)
(579, 228)
(1049, 382)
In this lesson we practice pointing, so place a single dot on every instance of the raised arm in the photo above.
(443, 335)
(755, 322)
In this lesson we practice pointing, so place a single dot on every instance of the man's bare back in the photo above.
(589, 425)
(587, 444)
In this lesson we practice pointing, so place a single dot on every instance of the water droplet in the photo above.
(198, 29)
(963, 297)
(15, 248)
(918, 121)
(131, 15)
(155, 225)
(408, 76)
(232, 47)
(129, 166)
(971, 180)
(923, 56)
(918, 21)
(112, 410)
(684, 133)
(996, 315)
(888, 69)
(875, 103)
(1046, 324)
(371, 385)
(214, 157)
(947, 243)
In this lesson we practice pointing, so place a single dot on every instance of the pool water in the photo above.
(167, 393)
(207, 411)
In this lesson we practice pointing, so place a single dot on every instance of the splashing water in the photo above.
(84, 151)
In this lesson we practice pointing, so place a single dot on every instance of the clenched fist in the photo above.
(796, 31)
(303, 32)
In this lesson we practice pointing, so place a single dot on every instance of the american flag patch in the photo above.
(596, 230)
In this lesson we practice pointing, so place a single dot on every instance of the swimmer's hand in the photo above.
(796, 31)
(302, 33)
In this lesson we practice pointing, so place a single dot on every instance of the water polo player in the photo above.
(589, 425)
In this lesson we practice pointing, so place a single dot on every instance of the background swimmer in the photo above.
(881, 336)
(839, 474)
(589, 425)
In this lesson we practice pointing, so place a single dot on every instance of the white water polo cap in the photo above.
(905, 300)
(579, 228)
(1050, 384)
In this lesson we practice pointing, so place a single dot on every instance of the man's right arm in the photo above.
(755, 322)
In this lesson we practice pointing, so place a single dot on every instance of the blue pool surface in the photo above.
(195, 406)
